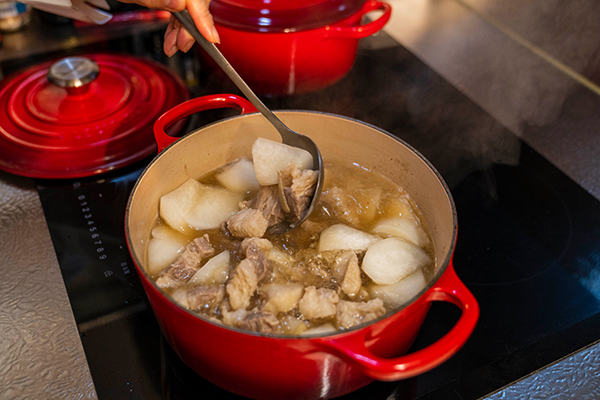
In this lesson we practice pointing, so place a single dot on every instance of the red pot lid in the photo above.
(82, 116)
(281, 15)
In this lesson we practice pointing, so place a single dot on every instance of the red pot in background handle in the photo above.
(448, 288)
(198, 104)
(297, 61)
(362, 31)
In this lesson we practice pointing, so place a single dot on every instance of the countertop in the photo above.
(530, 67)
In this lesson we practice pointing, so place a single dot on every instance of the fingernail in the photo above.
(175, 5)
(171, 51)
(188, 46)
(215, 34)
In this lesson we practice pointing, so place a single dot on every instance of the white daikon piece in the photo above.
(164, 231)
(399, 207)
(389, 260)
(397, 294)
(212, 207)
(403, 228)
(292, 325)
(176, 205)
(320, 330)
(369, 200)
(216, 270)
(282, 297)
(239, 176)
(180, 296)
(161, 253)
(344, 237)
(270, 157)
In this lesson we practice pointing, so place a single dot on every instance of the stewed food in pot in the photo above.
(363, 252)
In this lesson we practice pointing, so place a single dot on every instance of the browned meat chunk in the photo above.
(175, 276)
(199, 249)
(351, 313)
(205, 298)
(242, 284)
(347, 273)
(186, 264)
(256, 250)
(267, 201)
(298, 189)
(254, 269)
(232, 318)
(313, 227)
(247, 223)
(318, 303)
(261, 321)
(339, 204)
(256, 244)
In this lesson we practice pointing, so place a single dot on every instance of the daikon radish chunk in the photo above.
(403, 228)
(239, 176)
(292, 325)
(389, 260)
(216, 270)
(369, 200)
(180, 296)
(282, 297)
(213, 206)
(164, 231)
(176, 205)
(320, 330)
(162, 252)
(397, 294)
(399, 208)
(344, 237)
(270, 157)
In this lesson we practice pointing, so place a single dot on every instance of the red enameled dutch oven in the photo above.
(269, 366)
(292, 46)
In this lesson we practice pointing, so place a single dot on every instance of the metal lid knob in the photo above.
(73, 72)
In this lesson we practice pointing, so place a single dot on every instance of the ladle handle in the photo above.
(186, 20)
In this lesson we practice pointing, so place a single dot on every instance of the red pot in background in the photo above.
(274, 60)
(270, 366)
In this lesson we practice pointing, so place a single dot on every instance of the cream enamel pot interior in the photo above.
(301, 367)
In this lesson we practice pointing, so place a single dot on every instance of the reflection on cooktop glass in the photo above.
(527, 246)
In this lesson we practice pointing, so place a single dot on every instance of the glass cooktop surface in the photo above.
(527, 244)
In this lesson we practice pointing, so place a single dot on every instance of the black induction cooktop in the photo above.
(527, 244)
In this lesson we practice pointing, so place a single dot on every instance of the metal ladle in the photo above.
(288, 136)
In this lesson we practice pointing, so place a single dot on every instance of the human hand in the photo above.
(176, 36)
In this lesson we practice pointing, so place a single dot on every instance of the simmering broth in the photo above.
(362, 253)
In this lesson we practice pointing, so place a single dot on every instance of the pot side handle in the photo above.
(193, 106)
(362, 31)
(449, 288)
